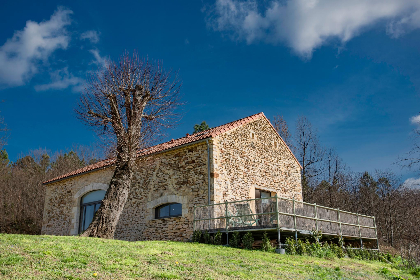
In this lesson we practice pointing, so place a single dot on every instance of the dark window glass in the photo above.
(262, 194)
(169, 210)
(90, 203)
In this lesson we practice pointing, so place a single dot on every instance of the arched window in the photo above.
(89, 204)
(169, 210)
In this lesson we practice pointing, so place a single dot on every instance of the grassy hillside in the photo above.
(50, 257)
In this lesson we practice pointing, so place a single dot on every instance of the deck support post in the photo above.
(227, 222)
(294, 218)
(278, 221)
(316, 218)
(360, 232)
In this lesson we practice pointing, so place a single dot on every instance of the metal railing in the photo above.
(283, 214)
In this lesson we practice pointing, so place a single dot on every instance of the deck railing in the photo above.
(283, 214)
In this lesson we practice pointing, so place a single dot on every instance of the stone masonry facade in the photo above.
(248, 157)
(254, 157)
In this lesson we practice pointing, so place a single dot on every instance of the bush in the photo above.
(266, 243)
(235, 241)
(301, 248)
(218, 238)
(338, 250)
(290, 246)
(197, 236)
(206, 237)
(248, 240)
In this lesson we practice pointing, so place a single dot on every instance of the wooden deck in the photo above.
(282, 218)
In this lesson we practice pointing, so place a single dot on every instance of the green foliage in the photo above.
(266, 243)
(4, 157)
(291, 246)
(206, 237)
(338, 250)
(197, 236)
(235, 240)
(316, 235)
(330, 250)
(248, 240)
(218, 238)
(201, 127)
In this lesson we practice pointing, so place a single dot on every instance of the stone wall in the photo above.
(253, 156)
(62, 201)
(177, 176)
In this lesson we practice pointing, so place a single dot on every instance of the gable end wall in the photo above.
(243, 164)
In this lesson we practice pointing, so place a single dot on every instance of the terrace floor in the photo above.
(282, 218)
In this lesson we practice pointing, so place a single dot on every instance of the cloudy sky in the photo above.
(351, 67)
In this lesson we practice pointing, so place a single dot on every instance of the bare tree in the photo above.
(411, 160)
(308, 151)
(130, 101)
(283, 130)
(3, 131)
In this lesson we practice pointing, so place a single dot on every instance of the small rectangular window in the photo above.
(262, 194)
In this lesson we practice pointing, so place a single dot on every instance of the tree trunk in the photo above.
(105, 221)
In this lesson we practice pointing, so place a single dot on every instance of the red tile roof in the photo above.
(212, 132)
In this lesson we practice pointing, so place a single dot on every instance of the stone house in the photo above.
(240, 160)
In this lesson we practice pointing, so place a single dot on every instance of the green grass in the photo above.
(53, 257)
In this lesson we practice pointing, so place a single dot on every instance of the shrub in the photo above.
(206, 237)
(316, 235)
(218, 238)
(338, 251)
(248, 240)
(266, 243)
(350, 253)
(196, 236)
(301, 248)
(290, 246)
(235, 241)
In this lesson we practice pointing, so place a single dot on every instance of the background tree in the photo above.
(201, 127)
(283, 130)
(130, 102)
(411, 159)
(3, 131)
(309, 153)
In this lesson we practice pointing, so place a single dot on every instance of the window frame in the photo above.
(157, 209)
(83, 207)
(261, 191)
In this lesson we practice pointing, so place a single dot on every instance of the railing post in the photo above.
(278, 221)
(376, 233)
(360, 232)
(227, 222)
(339, 222)
(294, 218)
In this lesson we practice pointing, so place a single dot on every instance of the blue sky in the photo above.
(351, 67)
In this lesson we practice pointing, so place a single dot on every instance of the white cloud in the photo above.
(415, 119)
(90, 35)
(99, 60)
(305, 25)
(20, 56)
(62, 79)
(411, 183)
